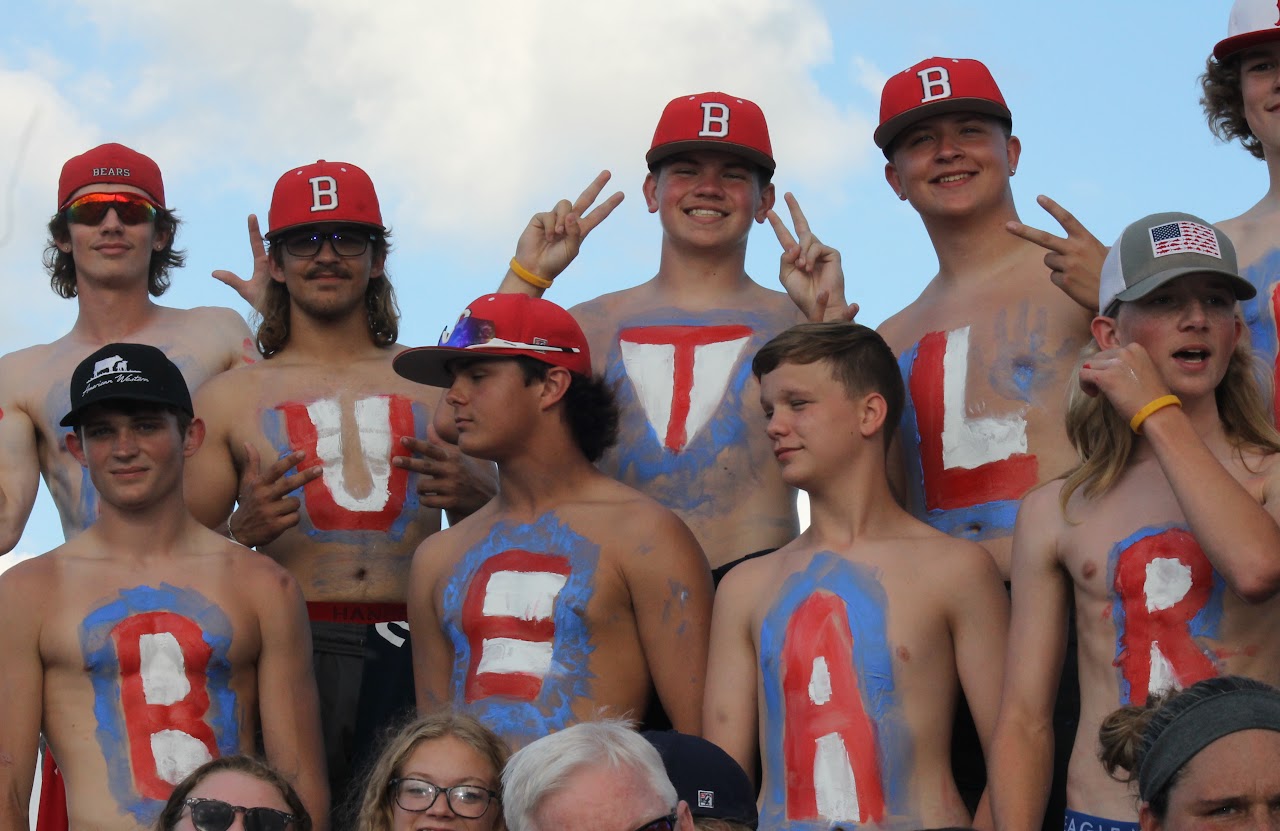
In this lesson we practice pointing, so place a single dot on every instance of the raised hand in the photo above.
(1074, 261)
(809, 270)
(449, 480)
(253, 290)
(553, 238)
(1126, 376)
(265, 509)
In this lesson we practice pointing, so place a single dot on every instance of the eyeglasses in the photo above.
(667, 823)
(131, 208)
(417, 795)
(346, 243)
(216, 815)
(474, 332)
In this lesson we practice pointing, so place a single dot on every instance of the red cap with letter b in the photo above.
(934, 87)
(1251, 22)
(712, 121)
(323, 192)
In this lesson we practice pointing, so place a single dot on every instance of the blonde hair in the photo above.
(377, 802)
(1104, 441)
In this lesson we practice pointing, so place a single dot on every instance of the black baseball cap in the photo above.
(706, 777)
(127, 372)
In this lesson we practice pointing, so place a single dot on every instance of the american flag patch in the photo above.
(1184, 238)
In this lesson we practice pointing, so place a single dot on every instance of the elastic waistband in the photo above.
(1077, 821)
(356, 612)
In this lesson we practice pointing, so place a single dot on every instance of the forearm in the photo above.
(1021, 773)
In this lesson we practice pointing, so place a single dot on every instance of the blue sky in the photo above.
(470, 117)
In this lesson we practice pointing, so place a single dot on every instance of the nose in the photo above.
(111, 221)
(125, 444)
(441, 807)
(454, 395)
(1195, 314)
(777, 427)
(947, 147)
(327, 252)
(708, 184)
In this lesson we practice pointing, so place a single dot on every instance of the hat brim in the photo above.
(72, 419)
(672, 148)
(1243, 289)
(1227, 47)
(426, 364)
(275, 232)
(889, 130)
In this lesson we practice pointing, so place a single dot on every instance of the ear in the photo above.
(1146, 819)
(554, 386)
(651, 192)
(873, 410)
(194, 438)
(684, 817)
(275, 267)
(160, 239)
(895, 181)
(76, 448)
(378, 268)
(1105, 332)
(768, 196)
(1014, 149)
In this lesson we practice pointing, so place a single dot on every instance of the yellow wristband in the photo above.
(1135, 423)
(528, 276)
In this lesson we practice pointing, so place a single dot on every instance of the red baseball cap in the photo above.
(501, 326)
(1251, 22)
(110, 164)
(324, 192)
(712, 121)
(935, 87)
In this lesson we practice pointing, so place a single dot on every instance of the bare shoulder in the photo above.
(28, 584)
(256, 572)
(23, 367)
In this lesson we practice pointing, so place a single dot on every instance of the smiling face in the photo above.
(134, 455)
(1234, 783)
(707, 198)
(111, 252)
(326, 285)
(953, 164)
(447, 762)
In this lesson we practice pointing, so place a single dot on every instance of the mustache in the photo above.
(335, 270)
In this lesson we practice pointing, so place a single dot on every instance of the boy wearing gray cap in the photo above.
(1166, 534)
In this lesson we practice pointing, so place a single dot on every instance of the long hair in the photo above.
(1223, 103)
(379, 302)
(62, 266)
(239, 763)
(590, 408)
(1104, 441)
(377, 803)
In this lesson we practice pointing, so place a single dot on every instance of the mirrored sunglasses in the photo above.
(417, 795)
(131, 208)
(346, 242)
(216, 815)
(474, 332)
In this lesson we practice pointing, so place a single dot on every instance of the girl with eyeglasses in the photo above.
(445, 769)
(234, 793)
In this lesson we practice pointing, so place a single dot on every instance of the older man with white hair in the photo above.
(597, 775)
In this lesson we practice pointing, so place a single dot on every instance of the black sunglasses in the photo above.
(216, 815)
(346, 243)
(667, 823)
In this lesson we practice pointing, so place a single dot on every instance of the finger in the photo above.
(283, 465)
(820, 306)
(255, 238)
(555, 228)
(289, 484)
(850, 312)
(250, 472)
(600, 213)
(779, 227)
(228, 278)
(1065, 218)
(1041, 238)
(592, 192)
(797, 216)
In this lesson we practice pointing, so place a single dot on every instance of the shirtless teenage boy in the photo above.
(840, 656)
(569, 594)
(369, 480)
(1166, 535)
(147, 644)
(678, 346)
(111, 243)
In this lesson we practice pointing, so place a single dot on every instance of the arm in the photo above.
(980, 628)
(21, 694)
(809, 270)
(432, 653)
(209, 479)
(553, 238)
(1020, 763)
(730, 715)
(1074, 261)
(670, 589)
(20, 473)
(288, 704)
(1240, 536)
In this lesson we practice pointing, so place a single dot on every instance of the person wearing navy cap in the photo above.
(326, 455)
(569, 594)
(148, 644)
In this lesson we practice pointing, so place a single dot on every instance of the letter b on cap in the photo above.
(324, 193)
(935, 83)
(715, 120)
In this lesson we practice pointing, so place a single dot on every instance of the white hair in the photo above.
(545, 766)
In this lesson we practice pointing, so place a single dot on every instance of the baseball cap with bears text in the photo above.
(323, 192)
(712, 121)
(501, 326)
(934, 87)
(1251, 22)
(110, 164)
